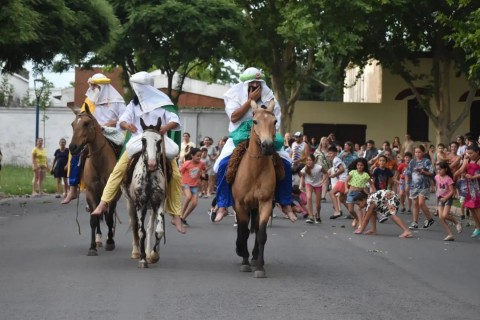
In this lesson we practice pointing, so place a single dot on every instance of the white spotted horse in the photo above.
(145, 190)
(99, 158)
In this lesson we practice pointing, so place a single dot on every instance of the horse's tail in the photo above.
(253, 221)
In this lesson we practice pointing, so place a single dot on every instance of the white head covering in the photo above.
(239, 92)
(106, 94)
(149, 97)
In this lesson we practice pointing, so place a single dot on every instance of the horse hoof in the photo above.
(99, 244)
(153, 258)
(259, 274)
(143, 264)
(245, 268)
(110, 246)
(135, 256)
(92, 253)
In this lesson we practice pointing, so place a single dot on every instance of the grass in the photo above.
(17, 181)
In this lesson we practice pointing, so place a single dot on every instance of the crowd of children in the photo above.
(382, 183)
(373, 185)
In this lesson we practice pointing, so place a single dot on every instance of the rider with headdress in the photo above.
(237, 106)
(149, 104)
(106, 104)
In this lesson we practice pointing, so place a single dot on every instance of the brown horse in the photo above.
(100, 161)
(254, 188)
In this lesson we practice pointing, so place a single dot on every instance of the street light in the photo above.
(38, 94)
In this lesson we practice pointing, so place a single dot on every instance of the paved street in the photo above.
(314, 271)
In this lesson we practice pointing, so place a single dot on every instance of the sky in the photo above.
(59, 80)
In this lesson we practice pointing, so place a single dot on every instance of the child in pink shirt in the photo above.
(191, 172)
(445, 191)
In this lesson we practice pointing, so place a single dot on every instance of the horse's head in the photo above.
(151, 145)
(84, 131)
(263, 125)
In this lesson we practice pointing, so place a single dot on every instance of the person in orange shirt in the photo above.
(390, 164)
(191, 171)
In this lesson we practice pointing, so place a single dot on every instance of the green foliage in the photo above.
(172, 35)
(38, 30)
(17, 181)
(6, 92)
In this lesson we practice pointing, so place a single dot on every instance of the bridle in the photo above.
(91, 126)
(158, 152)
(257, 138)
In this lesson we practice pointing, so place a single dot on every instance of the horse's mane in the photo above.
(236, 158)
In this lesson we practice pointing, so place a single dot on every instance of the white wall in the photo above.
(17, 130)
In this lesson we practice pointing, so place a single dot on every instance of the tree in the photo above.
(6, 92)
(403, 31)
(299, 46)
(173, 36)
(39, 30)
(288, 61)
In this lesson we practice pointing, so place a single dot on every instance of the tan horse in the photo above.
(254, 188)
(101, 159)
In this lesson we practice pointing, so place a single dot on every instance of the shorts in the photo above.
(415, 193)
(351, 195)
(315, 189)
(443, 204)
(339, 187)
(193, 190)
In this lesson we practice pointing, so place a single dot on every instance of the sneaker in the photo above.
(428, 223)
(449, 238)
(324, 200)
(382, 219)
(318, 221)
(403, 210)
(476, 233)
(212, 215)
(459, 227)
(414, 225)
(309, 221)
(409, 211)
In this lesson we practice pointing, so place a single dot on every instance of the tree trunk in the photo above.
(442, 101)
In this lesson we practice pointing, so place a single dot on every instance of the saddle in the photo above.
(237, 156)
(127, 179)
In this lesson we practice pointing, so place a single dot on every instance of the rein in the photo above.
(94, 137)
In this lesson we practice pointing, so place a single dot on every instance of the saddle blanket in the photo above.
(113, 135)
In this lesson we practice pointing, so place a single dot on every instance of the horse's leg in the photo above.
(134, 224)
(254, 227)
(151, 258)
(157, 223)
(261, 237)
(109, 219)
(142, 234)
(98, 231)
(94, 223)
(98, 235)
(242, 238)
